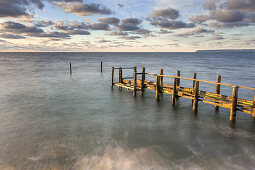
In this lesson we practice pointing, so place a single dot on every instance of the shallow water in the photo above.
(51, 120)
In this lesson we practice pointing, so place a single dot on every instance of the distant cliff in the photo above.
(226, 51)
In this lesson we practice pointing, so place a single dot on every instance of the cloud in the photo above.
(11, 36)
(166, 13)
(225, 15)
(43, 23)
(82, 9)
(171, 24)
(120, 5)
(130, 37)
(163, 31)
(131, 21)
(99, 26)
(13, 8)
(119, 33)
(199, 18)
(195, 32)
(110, 21)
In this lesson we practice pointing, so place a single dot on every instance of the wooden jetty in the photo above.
(195, 94)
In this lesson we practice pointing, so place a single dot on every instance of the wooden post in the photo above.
(196, 93)
(218, 80)
(194, 82)
(120, 77)
(135, 82)
(157, 88)
(174, 92)
(112, 83)
(161, 78)
(70, 68)
(178, 74)
(143, 79)
(101, 68)
(234, 103)
(253, 109)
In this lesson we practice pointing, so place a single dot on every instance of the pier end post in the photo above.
(161, 78)
(70, 68)
(101, 68)
(157, 88)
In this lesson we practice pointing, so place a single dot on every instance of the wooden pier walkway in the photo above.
(195, 94)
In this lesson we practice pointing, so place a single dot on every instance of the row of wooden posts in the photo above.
(70, 68)
(159, 83)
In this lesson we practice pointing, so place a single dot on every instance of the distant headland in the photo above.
(226, 50)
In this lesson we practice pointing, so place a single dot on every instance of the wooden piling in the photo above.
(112, 83)
(161, 78)
(101, 68)
(135, 81)
(218, 80)
(174, 91)
(194, 82)
(120, 77)
(178, 74)
(157, 88)
(143, 79)
(253, 109)
(70, 68)
(234, 103)
(196, 94)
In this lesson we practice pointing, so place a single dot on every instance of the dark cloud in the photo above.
(166, 13)
(130, 37)
(195, 32)
(225, 15)
(111, 21)
(78, 32)
(104, 41)
(54, 34)
(131, 21)
(142, 31)
(82, 9)
(128, 27)
(11, 36)
(99, 26)
(171, 24)
(199, 18)
(120, 5)
(243, 5)
(18, 28)
(43, 23)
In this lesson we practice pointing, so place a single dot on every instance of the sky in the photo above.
(126, 25)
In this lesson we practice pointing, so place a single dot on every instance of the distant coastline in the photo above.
(227, 51)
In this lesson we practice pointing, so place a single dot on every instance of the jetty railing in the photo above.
(234, 103)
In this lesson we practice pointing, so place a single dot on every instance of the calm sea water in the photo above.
(51, 120)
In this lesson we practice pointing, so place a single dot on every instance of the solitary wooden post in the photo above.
(112, 78)
(135, 82)
(178, 74)
(218, 80)
(143, 79)
(120, 77)
(174, 91)
(157, 88)
(196, 93)
(234, 103)
(70, 68)
(101, 68)
(161, 78)
(194, 82)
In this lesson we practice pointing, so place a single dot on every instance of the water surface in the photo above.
(51, 120)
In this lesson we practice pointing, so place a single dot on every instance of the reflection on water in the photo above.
(51, 120)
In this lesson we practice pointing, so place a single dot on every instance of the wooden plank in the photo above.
(234, 103)
(195, 102)
(218, 80)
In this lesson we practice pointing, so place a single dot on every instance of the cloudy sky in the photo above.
(126, 25)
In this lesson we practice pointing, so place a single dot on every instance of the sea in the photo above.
(50, 119)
